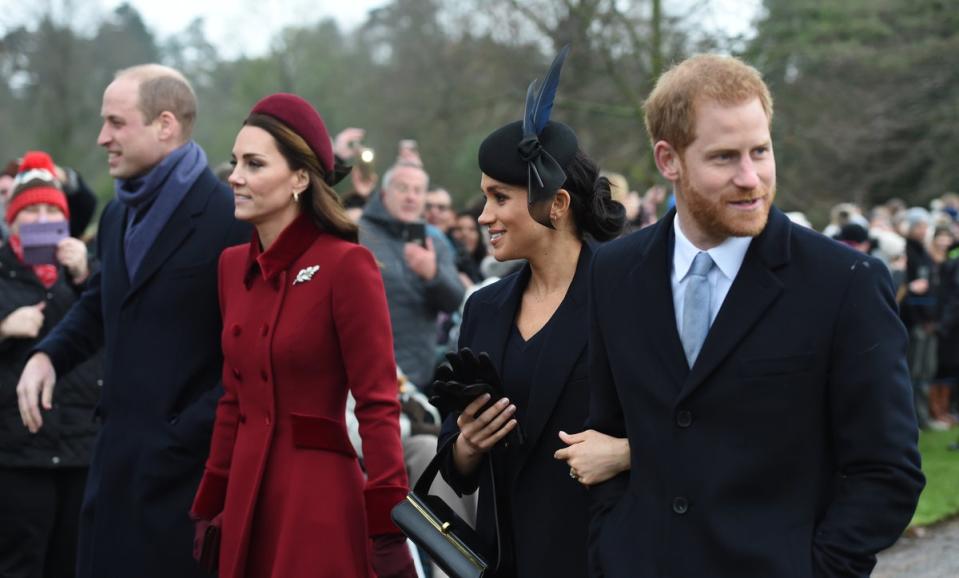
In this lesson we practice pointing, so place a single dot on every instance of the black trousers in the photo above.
(39, 516)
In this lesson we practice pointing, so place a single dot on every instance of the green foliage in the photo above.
(866, 98)
(939, 499)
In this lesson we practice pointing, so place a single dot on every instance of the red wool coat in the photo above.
(303, 323)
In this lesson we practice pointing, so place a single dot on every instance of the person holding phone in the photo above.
(545, 203)
(42, 475)
(282, 476)
(419, 269)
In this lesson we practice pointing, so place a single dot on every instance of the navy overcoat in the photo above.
(161, 383)
(545, 528)
(788, 449)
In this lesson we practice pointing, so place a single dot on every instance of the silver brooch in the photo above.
(306, 274)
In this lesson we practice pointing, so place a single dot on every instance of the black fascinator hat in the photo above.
(534, 151)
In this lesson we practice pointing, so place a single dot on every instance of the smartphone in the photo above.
(40, 241)
(415, 233)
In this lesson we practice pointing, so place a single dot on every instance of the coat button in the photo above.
(236, 374)
(237, 330)
(242, 418)
(263, 375)
(100, 382)
(49, 296)
(55, 460)
(680, 505)
(684, 418)
(267, 419)
(174, 420)
(264, 330)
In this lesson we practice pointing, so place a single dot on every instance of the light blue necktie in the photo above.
(696, 307)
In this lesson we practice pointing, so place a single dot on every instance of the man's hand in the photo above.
(344, 145)
(72, 254)
(594, 457)
(36, 383)
(421, 261)
(25, 322)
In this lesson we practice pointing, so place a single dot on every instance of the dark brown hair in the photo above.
(319, 200)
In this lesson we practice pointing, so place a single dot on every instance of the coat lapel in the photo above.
(497, 317)
(563, 346)
(754, 290)
(177, 230)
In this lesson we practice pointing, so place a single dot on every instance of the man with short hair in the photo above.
(419, 273)
(154, 307)
(439, 210)
(762, 385)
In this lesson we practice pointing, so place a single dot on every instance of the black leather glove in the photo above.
(463, 378)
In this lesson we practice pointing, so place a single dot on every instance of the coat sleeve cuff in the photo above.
(379, 504)
(210, 496)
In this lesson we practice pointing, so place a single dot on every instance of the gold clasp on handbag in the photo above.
(445, 527)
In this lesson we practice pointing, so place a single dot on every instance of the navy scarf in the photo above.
(152, 198)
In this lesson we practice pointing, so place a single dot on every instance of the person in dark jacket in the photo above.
(420, 276)
(533, 326)
(42, 475)
(154, 307)
(762, 383)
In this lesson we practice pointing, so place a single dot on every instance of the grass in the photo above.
(940, 498)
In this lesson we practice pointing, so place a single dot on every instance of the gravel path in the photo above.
(933, 554)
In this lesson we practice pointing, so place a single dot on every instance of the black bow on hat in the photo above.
(534, 151)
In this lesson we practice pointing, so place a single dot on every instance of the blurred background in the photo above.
(867, 91)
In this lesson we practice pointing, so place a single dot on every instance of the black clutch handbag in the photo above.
(435, 528)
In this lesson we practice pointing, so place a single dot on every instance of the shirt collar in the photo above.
(728, 255)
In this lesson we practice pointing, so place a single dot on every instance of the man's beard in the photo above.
(716, 219)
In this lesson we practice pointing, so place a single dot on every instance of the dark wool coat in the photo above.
(788, 450)
(161, 384)
(66, 439)
(548, 519)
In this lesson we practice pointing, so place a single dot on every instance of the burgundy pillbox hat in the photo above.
(300, 116)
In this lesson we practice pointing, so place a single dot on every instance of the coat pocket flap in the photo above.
(320, 433)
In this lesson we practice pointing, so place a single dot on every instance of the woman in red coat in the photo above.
(304, 321)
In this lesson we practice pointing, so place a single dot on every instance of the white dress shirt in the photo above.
(728, 257)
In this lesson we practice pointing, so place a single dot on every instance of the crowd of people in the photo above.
(235, 374)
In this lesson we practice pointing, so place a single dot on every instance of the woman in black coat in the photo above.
(42, 475)
(533, 326)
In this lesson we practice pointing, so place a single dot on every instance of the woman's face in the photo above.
(467, 232)
(38, 213)
(262, 181)
(513, 232)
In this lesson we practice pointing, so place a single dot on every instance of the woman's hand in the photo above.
(479, 433)
(72, 254)
(593, 457)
